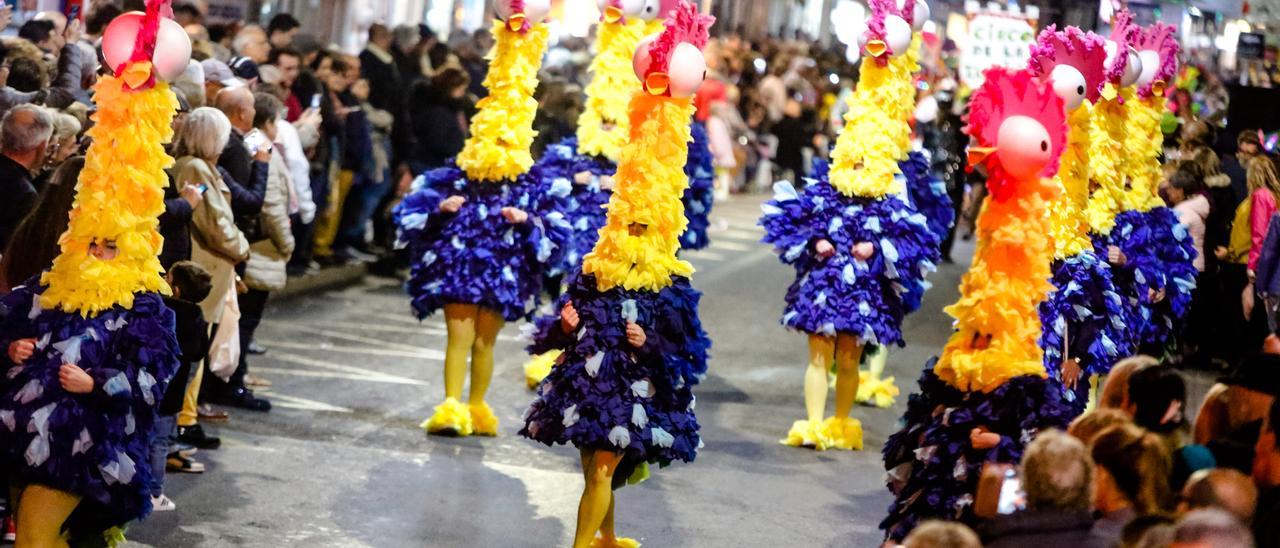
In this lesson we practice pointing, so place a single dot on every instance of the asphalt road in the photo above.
(341, 461)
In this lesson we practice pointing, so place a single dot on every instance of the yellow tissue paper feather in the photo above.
(1067, 214)
(876, 134)
(613, 82)
(119, 196)
(1106, 149)
(1142, 144)
(1000, 293)
(499, 148)
(649, 185)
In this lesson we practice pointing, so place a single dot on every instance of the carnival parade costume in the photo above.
(987, 395)
(859, 248)
(1083, 316)
(99, 309)
(1157, 275)
(633, 346)
(589, 158)
(482, 231)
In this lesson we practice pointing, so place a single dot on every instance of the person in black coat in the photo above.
(439, 119)
(25, 139)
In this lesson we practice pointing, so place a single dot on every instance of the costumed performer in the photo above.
(929, 197)
(1083, 316)
(633, 344)
(859, 248)
(481, 232)
(589, 158)
(987, 395)
(90, 345)
(1150, 250)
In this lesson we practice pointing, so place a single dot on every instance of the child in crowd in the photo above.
(191, 283)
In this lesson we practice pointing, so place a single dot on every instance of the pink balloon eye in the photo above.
(1023, 146)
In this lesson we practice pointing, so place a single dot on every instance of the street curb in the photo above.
(328, 278)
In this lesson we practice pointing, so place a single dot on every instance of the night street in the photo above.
(341, 460)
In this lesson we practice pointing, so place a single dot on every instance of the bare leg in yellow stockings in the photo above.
(842, 431)
(597, 496)
(488, 324)
(452, 417)
(41, 513)
(808, 433)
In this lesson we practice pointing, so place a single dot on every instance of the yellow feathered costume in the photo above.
(119, 196)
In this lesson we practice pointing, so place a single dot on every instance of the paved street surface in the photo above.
(341, 461)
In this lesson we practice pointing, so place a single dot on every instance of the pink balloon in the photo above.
(173, 46)
(1023, 146)
(640, 61)
(687, 70)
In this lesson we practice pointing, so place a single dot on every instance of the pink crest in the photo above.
(683, 24)
(1005, 94)
(1124, 33)
(1086, 52)
(1160, 39)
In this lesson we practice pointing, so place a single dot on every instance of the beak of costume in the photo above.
(977, 155)
(656, 83)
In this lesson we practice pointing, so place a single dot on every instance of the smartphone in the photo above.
(202, 187)
(999, 491)
(315, 101)
(255, 140)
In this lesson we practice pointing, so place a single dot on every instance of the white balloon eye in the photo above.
(920, 15)
(536, 11)
(687, 71)
(1069, 84)
(1023, 146)
(640, 61)
(601, 5)
(652, 9)
(897, 34)
(1150, 63)
(1132, 70)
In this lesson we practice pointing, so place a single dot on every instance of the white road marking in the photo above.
(369, 374)
(295, 326)
(294, 402)
(426, 353)
(335, 375)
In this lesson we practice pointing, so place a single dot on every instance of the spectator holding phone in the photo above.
(216, 243)
(1057, 475)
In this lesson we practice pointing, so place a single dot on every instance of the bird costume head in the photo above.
(1017, 128)
(502, 133)
(111, 247)
(603, 125)
(1158, 49)
(638, 244)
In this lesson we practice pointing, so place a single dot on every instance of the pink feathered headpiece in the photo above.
(684, 24)
(1124, 33)
(1087, 53)
(1005, 94)
(1160, 39)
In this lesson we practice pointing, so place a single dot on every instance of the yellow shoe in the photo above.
(843, 433)
(619, 542)
(451, 418)
(538, 367)
(877, 392)
(483, 421)
(806, 434)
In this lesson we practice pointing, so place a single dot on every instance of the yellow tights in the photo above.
(41, 513)
(846, 351)
(595, 510)
(472, 331)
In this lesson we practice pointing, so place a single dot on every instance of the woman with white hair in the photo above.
(216, 243)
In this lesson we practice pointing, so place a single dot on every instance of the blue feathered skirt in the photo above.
(475, 256)
(584, 207)
(95, 445)
(932, 466)
(1087, 310)
(841, 294)
(1160, 255)
(701, 194)
(606, 394)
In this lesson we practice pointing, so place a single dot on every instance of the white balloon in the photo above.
(1132, 70)
(897, 34)
(641, 60)
(535, 11)
(687, 70)
(1150, 63)
(1069, 84)
(632, 8)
